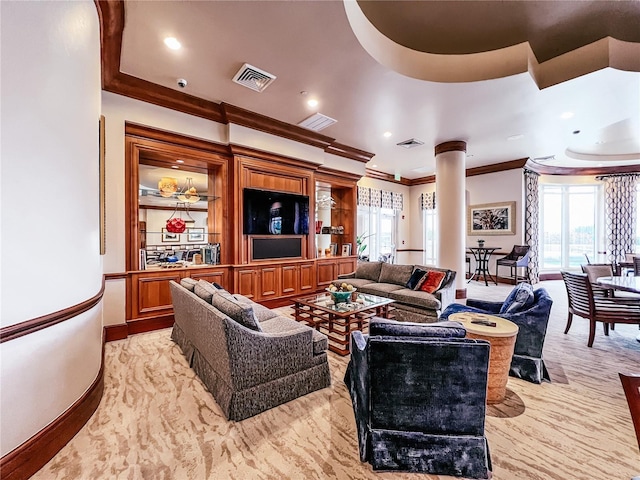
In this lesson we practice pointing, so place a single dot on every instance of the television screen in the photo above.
(275, 213)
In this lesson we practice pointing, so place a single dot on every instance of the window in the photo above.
(430, 237)
(570, 224)
(378, 228)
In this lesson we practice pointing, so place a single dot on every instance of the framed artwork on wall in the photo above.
(170, 237)
(195, 235)
(492, 219)
(346, 249)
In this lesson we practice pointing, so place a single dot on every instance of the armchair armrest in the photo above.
(493, 307)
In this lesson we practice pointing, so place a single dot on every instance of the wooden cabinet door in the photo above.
(269, 282)
(290, 279)
(346, 265)
(247, 282)
(307, 277)
(151, 294)
(221, 277)
(326, 273)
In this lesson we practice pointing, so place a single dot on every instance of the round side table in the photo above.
(501, 334)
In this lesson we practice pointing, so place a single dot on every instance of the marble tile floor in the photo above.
(157, 421)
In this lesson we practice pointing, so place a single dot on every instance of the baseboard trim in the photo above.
(116, 332)
(142, 325)
(26, 459)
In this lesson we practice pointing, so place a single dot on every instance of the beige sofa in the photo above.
(250, 358)
(389, 281)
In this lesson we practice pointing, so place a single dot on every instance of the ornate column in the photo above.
(450, 194)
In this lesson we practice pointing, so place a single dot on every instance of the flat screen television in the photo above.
(275, 213)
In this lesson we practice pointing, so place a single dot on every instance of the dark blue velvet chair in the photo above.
(419, 398)
(531, 316)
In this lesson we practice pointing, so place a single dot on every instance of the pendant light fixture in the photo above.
(167, 186)
(189, 193)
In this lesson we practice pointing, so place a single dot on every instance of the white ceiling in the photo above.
(310, 46)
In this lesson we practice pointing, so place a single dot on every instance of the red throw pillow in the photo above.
(433, 281)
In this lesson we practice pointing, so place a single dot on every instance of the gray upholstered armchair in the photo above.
(419, 398)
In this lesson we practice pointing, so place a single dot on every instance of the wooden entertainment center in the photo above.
(228, 170)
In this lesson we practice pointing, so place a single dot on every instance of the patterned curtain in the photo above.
(428, 201)
(364, 196)
(532, 222)
(398, 201)
(386, 200)
(621, 211)
(376, 198)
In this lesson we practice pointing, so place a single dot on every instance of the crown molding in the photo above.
(387, 177)
(453, 146)
(496, 167)
(553, 170)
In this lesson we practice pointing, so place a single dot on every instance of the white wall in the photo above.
(49, 220)
(417, 224)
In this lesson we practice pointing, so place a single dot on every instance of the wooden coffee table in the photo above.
(337, 321)
(502, 337)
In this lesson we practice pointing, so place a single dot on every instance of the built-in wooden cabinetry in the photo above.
(229, 170)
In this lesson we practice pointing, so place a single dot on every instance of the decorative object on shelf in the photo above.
(189, 193)
(492, 219)
(318, 226)
(481, 243)
(326, 230)
(325, 201)
(167, 186)
(346, 249)
(342, 293)
(177, 224)
(334, 249)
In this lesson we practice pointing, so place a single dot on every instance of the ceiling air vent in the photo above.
(412, 142)
(317, 122)
(253, 78)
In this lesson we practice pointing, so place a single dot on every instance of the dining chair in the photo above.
(597, 308)
(631, 387)
(595, 270)
(518, 257)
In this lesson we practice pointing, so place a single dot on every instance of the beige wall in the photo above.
(49, 220)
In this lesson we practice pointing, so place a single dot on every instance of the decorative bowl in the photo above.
(341, 297)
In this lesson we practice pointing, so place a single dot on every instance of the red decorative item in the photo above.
(176, 225)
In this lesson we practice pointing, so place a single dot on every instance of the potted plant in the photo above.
(361, 246)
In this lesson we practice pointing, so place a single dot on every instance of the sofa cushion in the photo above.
(415, 298)
(205, 290)
(415, 278)
(382, 327)
(240, 312)
(381, 289)
(520, 298)
(261, 312)
(398, 274)
(434, 281)
(369, 270)
(188, 283)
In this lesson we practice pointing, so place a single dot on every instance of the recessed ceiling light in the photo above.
(374, 166)
(387, 134)
(312, 102)
(172, 43)
(179, 161)
(516, 137)
(174, 166)
(566, 115)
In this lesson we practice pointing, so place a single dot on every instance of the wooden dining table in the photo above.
(625, 283)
